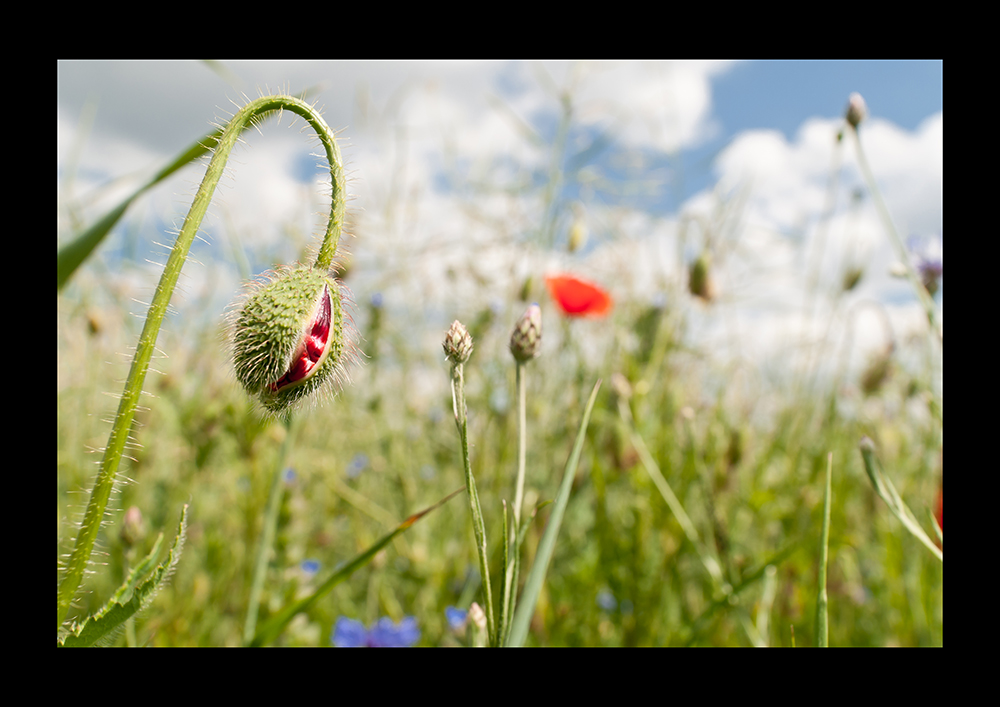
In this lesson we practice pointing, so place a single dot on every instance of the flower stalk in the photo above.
(251, 114)
(458, 347)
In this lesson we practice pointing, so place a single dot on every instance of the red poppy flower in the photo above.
(940, 508)
(578, 298)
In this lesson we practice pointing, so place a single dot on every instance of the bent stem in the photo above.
(250, 115)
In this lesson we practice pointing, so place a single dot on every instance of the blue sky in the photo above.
(448, 162)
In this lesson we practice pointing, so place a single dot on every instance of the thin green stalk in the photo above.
(522, 438)
(458, 404)
(546, 546)
(266, 542)
(512, 567)
(822, 621)
(653, 469)
(251, 114)
(922, 294)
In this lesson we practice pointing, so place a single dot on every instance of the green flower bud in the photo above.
(857, 110)
(526, 339)
(700, 281)
(289, 338)
(457, 343)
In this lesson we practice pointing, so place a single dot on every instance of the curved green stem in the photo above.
(251, 114)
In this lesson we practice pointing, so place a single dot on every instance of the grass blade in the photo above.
(277, 623)
(72, 255)
(533, 586)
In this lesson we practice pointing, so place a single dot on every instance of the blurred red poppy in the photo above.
(940, 508)
(578, 298)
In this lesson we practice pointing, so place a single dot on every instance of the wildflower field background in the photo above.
(718, 372)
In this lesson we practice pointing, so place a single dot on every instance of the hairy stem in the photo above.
(458, 403)
(251, 114)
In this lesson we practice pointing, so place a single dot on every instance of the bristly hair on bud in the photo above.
(526, 339)
(290, 337)
(457, 343)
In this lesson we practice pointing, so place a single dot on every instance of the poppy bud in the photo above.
(288, 339)
(458, 343)
(526, 339)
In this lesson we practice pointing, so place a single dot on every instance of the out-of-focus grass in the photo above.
(745, 455)
(622, 572)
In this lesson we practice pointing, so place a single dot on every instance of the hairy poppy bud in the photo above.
(526, 340)
(457, 343)
(288, 339)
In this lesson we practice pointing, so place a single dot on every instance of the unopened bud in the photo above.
(289, 338)
(857, 110)
(133, 529)
(457, 343)
(526, 339)
(477, 621)
(700, 281)
(577, 236)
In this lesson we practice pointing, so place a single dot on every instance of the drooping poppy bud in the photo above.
(526, 339)
(289, 338)
(578, 298)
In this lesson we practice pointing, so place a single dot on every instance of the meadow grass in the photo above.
(747, 463)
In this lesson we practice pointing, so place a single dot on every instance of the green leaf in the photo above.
(134, 595)
(533, 585)
(72, 255)
(277, 623)
(887, 492)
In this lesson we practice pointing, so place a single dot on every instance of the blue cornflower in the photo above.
(927, 257)
(349, 633)
(606, 600)
(456, 617)
(358, 464)
(309, 567)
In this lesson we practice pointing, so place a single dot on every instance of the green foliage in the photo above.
(692, 514)
(133, 596)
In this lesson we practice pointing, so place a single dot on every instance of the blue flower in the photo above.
(349, 633)
(309, 567)
(606, 600)
(456, 617)
(358, 464)
(927, 257)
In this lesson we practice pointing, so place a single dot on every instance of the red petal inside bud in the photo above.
(310, 350)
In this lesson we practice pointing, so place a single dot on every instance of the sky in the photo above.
(449, 163)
